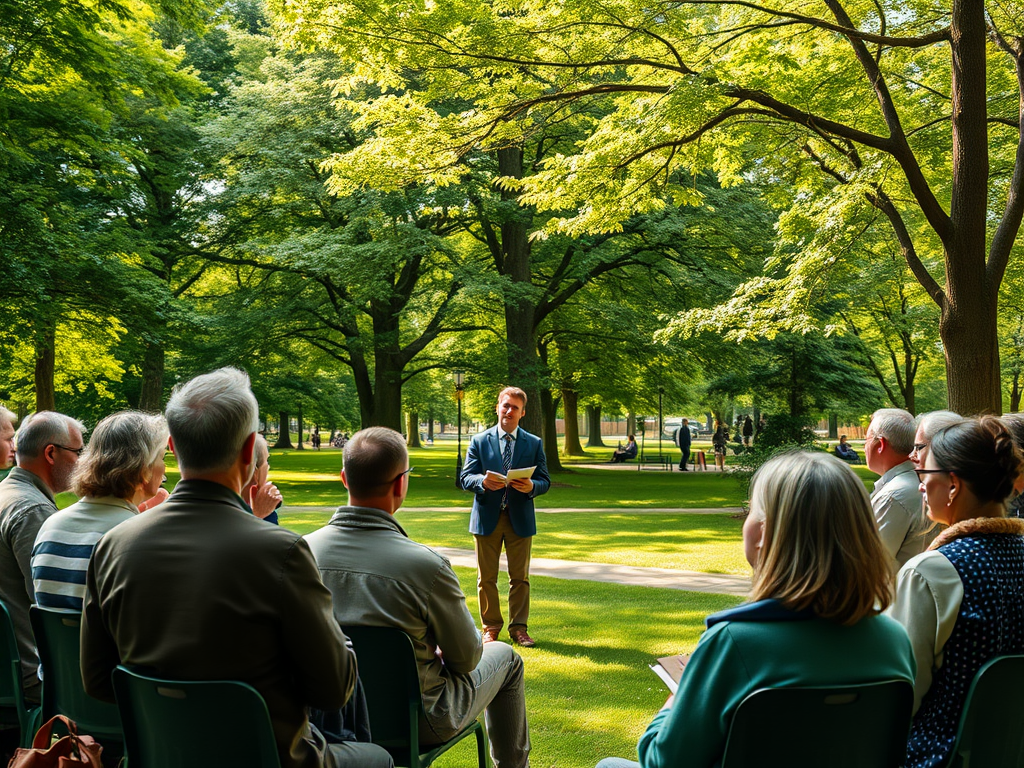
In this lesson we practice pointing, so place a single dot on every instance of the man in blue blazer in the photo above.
(503, 514)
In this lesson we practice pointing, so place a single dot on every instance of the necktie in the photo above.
(506, 457)
(506, 462)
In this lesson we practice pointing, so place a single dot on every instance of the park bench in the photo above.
(655, 461)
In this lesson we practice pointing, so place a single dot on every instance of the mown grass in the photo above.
(589, 692)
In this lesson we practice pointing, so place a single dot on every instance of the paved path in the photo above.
(666, 578)
(559, 510)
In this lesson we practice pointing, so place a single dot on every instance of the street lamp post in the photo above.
(661, 420)
(459, 394)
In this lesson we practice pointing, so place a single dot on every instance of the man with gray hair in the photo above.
(6, 438)
(896, 499)
(203, 590)
(49, 445)
(381, 577)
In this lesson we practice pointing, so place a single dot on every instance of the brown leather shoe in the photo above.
(520, 637)
(491, 634)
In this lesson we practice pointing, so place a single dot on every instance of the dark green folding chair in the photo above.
(60, 651)
(857, 726)
(194, 724)
(387, 667)
(991, 733)
(14, 710)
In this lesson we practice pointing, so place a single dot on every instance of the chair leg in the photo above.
(482, 753)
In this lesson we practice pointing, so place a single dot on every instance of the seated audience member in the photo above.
(844, 451)
(48, 447)
(625, 454)
(927, 425)
(1015, 423)
(895, 500)
(122, 467)
(814, 619)
(381, 577)
(262, 496)
(962, 602)
(203, 590)
(6, 438)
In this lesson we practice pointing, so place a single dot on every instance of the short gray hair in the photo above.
(44, 428)
(933, 421)
(123, 447)
(372, 458)
(6, 417)
(210, 418)
(261, 453)
(897, 426)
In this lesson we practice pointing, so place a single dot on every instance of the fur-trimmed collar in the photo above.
(979, 526)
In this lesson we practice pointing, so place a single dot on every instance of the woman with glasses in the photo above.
(962, 601)
(119, 474)
(821, 578)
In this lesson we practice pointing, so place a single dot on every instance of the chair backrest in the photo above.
(57, 638)
(991, 733)
(387, 667)
(840, 727)
(194, 724)
(12, 691)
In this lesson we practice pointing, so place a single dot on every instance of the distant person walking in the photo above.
(683, 439)
(748, 430)
(718, 442)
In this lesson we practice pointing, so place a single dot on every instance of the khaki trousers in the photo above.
(488, 552)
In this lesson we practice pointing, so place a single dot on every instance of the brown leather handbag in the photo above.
(71, 751)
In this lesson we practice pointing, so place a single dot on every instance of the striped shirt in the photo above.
(64, 544)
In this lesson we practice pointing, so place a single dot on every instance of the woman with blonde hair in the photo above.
(119, 474)
(962, 601)
(821, 578)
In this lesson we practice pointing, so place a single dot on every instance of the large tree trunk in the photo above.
(284, 438)
(594, 427)
(412, 436)
(523, 362)
(45, 354)
(630, 423)
(571, 444)
(151, 396)
(833, 427)
(968, 322)
(549, 432)
(387, 369)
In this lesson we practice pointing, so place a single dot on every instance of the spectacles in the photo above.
(922, 472)
(410, 469)
(76, 451)
(920, 446)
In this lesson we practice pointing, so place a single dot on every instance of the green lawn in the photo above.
(589, 693)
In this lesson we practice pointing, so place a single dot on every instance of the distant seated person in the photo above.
(625, 454)
(844, 451)
(814, 616)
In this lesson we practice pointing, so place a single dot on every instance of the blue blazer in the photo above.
(484, 454)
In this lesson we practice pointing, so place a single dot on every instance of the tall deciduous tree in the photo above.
(915, 109)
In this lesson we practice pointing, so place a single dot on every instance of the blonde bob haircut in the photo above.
(820, 550)
(123, 448)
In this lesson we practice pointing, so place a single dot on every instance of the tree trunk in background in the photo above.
(284, 438)
(412, 435)
(151, 396)
(572, 446)
(1015, 393)
(594, 427)
(300, 447)
(549, 432)
(430, 427)
(45, 346)
(630, 423)
(833, 427)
